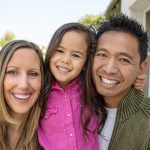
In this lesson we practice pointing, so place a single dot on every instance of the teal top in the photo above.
(132, 126)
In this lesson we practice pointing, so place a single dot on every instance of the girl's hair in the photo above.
(28, 137)
(85, 79)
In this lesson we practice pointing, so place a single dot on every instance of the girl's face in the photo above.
(69, 58)
(22, 82)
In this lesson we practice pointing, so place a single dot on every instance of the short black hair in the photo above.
(123, 23)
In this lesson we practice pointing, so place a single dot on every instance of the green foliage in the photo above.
(43, 50)
(92, 20)
(115, 10)
(9, 36)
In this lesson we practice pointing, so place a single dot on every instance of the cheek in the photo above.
(8, 83)
(129, 74)
(51, 63)
(80, 65)
(54, 58)
(36, 85)
(95, 65)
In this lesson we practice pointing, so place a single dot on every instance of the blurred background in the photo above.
(37, 20)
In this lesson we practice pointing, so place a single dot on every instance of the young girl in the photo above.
(69, 121)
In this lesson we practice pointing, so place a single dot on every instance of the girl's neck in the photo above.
(64, 86)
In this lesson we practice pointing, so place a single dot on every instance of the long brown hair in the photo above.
(28, 137)
(85, 80)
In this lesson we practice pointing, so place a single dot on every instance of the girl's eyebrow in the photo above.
(59, 46)
(75, 51)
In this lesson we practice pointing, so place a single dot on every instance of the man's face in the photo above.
(116, 65)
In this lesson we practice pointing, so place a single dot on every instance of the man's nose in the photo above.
(111, 66)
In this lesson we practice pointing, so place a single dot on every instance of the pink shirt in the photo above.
(60, 128)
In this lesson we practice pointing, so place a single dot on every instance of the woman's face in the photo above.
(22, 82)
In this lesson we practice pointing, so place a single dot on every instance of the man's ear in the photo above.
(143, 67)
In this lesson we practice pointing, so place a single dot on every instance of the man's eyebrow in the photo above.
(101, 49)
(127, 55)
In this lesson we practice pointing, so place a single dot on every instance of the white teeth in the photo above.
(23, 97)
(63, 70)
(107, 81)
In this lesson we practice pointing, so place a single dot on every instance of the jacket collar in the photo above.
(130, 104)
(72, 85)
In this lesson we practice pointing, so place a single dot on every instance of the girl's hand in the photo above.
(140, 82)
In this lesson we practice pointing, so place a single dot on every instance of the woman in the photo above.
(21, 95)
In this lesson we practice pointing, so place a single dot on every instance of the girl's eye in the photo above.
(11, 72)
(76, 55)
(59, 51)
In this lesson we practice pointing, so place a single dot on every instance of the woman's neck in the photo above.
(15, 130)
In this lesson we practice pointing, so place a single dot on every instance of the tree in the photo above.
(9, 36)
(114, 10)
(43, 50)
(92, 20)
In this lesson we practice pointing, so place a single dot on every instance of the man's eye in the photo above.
(101, 55)
(124, 61)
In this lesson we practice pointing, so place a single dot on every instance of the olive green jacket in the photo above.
(132, 126)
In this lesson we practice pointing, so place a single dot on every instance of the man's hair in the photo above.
(123, 23)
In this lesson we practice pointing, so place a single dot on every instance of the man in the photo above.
(119, 58)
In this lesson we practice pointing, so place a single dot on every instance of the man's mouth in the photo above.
(109, 81)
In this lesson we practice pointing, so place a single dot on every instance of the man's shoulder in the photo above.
(145, 106)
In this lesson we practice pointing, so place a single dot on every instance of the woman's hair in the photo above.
(28, 137)
(85, 75)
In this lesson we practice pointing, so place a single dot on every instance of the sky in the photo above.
(37, 20)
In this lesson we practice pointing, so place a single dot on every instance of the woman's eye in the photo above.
(33, 74)
(11, 72)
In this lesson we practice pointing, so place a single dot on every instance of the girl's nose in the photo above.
(66, 59)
